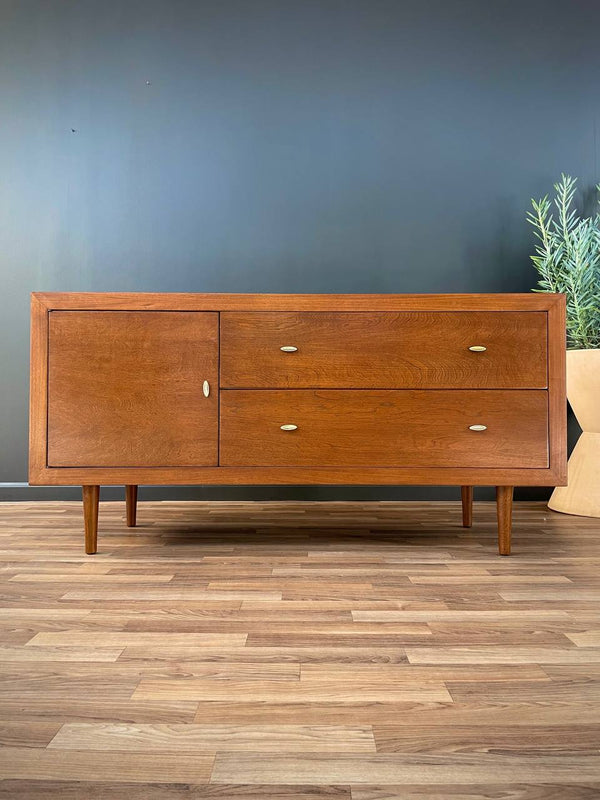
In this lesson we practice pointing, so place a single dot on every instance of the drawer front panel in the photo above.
(414, 349)
(386, 428)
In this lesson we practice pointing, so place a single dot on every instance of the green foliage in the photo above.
(568, 260)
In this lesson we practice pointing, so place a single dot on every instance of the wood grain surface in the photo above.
(216, 301)
(125, 389)
(385, 428)
(362, 651)
(379, 350)
(117, 401)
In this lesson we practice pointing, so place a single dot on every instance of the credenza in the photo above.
(136, 388)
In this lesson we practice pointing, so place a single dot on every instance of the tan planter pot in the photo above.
(582, 495)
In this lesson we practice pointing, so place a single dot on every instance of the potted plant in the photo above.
(567, 257)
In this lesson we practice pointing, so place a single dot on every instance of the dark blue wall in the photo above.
(277, 146)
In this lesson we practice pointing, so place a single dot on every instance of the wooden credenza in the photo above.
(297, 389)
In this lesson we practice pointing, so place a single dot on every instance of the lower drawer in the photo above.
(386, 428)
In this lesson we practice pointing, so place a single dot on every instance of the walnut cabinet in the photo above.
(297, 389)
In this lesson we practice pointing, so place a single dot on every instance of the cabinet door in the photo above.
(125, 388)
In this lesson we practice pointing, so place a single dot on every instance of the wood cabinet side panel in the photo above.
(557, 390)
(38, 387)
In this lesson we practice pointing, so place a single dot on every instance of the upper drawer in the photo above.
(411, 349)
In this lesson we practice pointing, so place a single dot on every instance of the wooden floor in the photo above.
(286, 651)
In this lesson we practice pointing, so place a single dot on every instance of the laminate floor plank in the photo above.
(55, 709)
(324, 654)
(406, 768)
(168, 595)
(48, 764)
(531, 739)
(88, 578)
(505, 655)
(291, 691)
(298, 651)
(68, 653)
(477, 714)
(280, 616)
(74, 638)
(123, 670)
(487, 580)
(199, 738)
(555, 595)
(24, 733)
(344, 604)
(565, 691)
(453, 615)
(589, 638)
(29, 614)
(432, 640)
(288, 628)
(110, 790)
(391, 673)
(495, 791)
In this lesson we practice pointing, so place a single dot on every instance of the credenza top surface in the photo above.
(189, 301)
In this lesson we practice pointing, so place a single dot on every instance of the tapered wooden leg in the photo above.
(504, 498)
(466, 493)
(91, 496)
(131, 505)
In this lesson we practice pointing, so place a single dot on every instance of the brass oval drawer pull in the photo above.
(288, 348)
(477, 348)
(206, 388)
(289, 427)
(478, 427)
